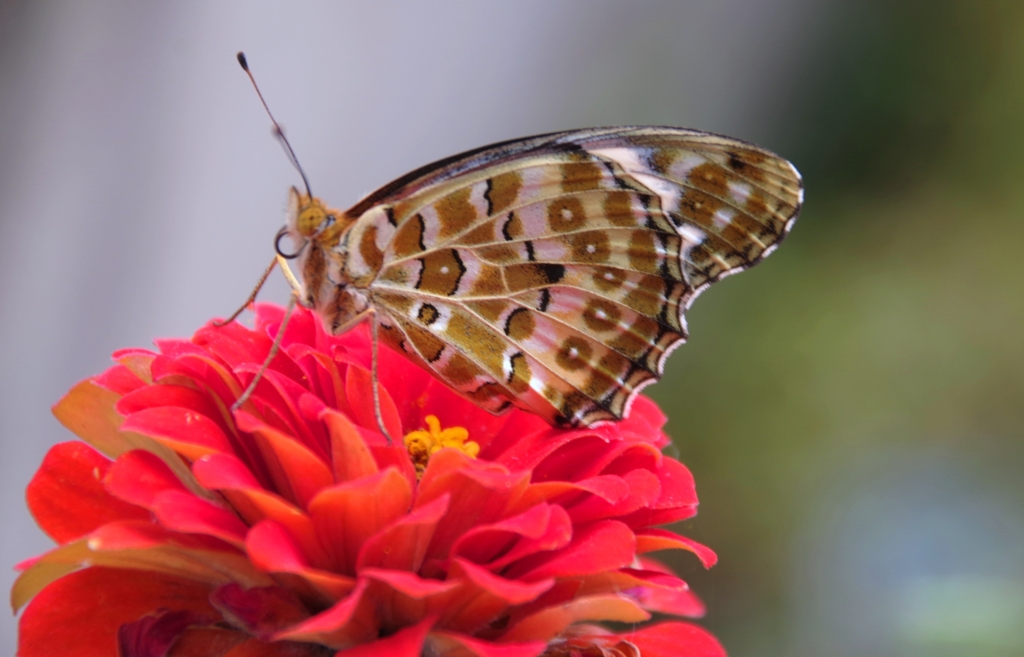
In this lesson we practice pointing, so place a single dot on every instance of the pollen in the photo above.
(423, 443)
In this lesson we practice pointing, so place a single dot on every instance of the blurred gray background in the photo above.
(852, 409)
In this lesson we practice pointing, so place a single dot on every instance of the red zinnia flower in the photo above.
(292, 528)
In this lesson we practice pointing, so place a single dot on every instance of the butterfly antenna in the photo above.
(277, 126)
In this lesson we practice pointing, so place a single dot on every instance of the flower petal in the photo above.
(80, 613)
(346, 515)
(642, 489)
(349, 623)
(549, 622)
(403, 544)
(140, 546)
(480, 492)
(351, 456)
(228, 475)
(67, 496)
(181, 429)
(651, 540)
(260, 611)
(156, 633)
(407, 642)
(541, 528)
(168, 395)
(483, 597)
(674, 639)
(184, 512)
(298, 473)
(359, 387)
(139, 476)
(207, 642)
(119, 379)
(603, 546)
(452, 644)
(274, 550)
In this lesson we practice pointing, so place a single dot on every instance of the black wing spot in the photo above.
(553, 272)
(545, 300)
(736, 163)
(428, 314)
(487, 197)
(508, 222)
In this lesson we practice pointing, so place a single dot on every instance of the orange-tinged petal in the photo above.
(651, 540)
(136, 360)
(228, 475)
(298, 472)
(359, 387)
(274, 550)
(327, 366)
(88, 412)
(623, 579)
(346, 515)
(140, 546)
(351, 455)
(551, 621)
(403, 544)
(480, 492)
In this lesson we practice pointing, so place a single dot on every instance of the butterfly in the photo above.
(550, 273)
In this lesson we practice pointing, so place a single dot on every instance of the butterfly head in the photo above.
(309, 219)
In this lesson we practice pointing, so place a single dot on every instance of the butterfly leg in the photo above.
(375, 379)
(270, 356)
(255, 291)
(293, 282)
(374, 368)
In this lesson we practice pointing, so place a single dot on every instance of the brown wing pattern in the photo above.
(553, 273)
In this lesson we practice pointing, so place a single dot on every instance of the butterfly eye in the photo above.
(327, 223)
(277, 246)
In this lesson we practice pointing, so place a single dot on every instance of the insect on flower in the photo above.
(550, 273)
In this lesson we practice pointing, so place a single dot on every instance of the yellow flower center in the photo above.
(422, 443)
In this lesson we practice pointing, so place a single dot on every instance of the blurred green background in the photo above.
(852, 409)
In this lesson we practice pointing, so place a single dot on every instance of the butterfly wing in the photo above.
(552, 273)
